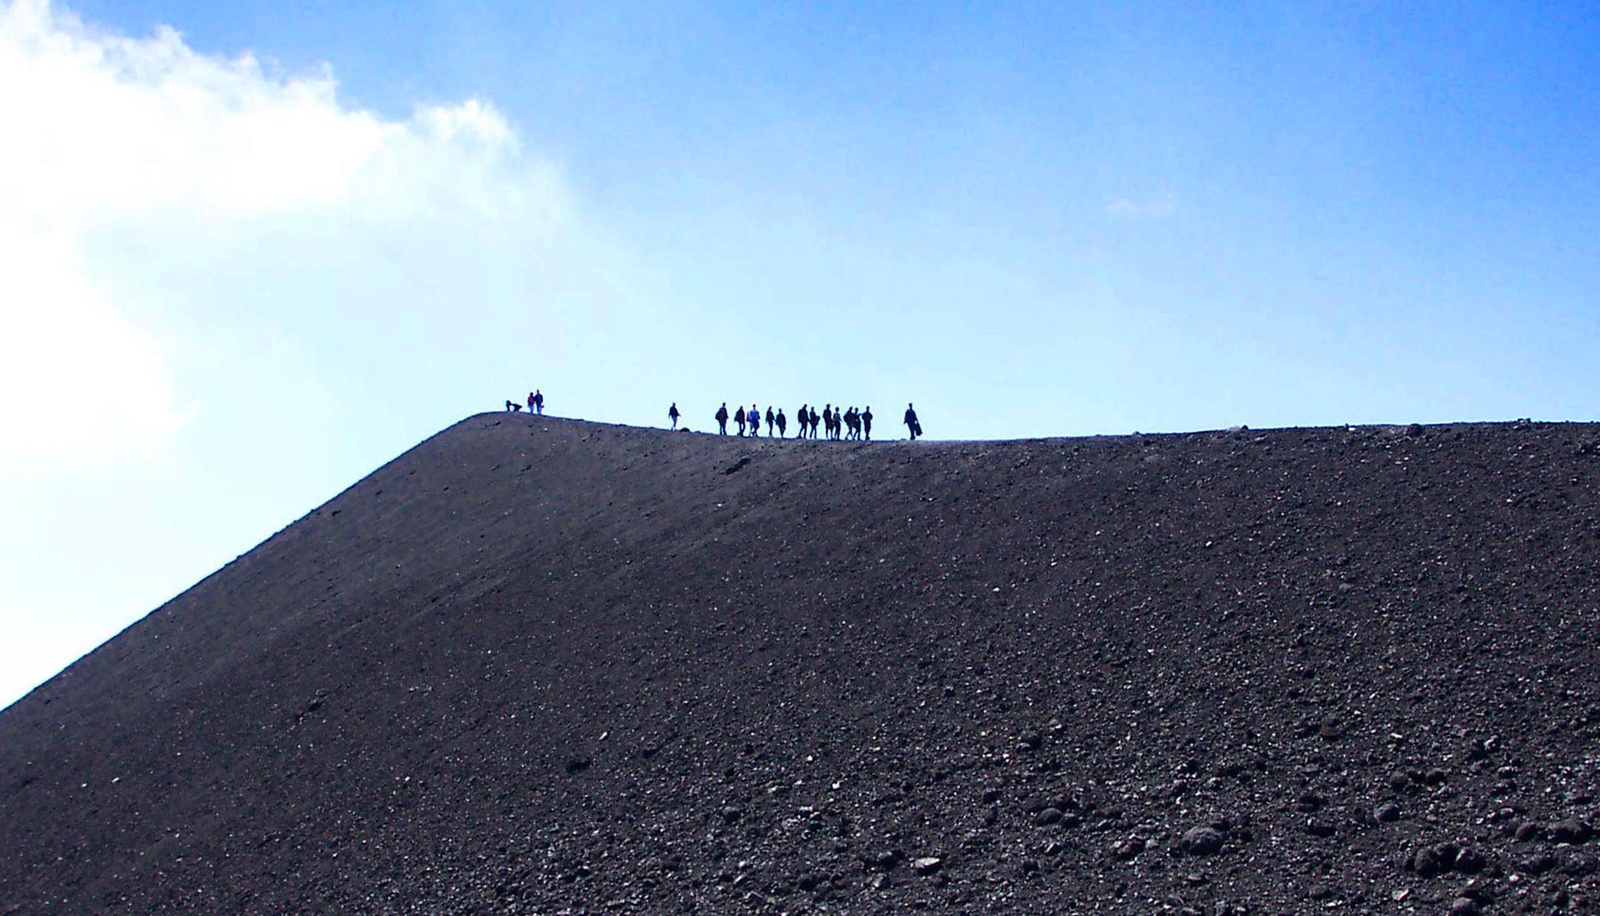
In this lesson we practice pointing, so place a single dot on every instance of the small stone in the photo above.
(1030, 741)
(732, 813)
(1570, 830)
(926, 865)
(1124, 850)
(1435, 777)
(1539, 864)
(1465, 906)
(1201, 841)
(1426, 863)
(1316, 826)
(1387, 813)
(1470, 861)
(1047, 817)
(1528, 831)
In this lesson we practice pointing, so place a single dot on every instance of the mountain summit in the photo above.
(547, 666)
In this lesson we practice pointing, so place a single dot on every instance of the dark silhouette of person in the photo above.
(755, 421)
(801, 418)
(722, 419)
(815, 419)
(673, 415)
(770, 418)
(838, 424)
(739, 417)
(866, 422)
(513, 406)
(827, 422)
(783, 424)
(536, 401)
(852, 422)
(913, 425)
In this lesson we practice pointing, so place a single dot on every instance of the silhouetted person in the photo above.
(536, 401)
(912, 424)
(852, 422)
(801, 418)
(739, 417)
(838, 425)
(755, 421)
(866, 422)
(827, 422)
(783, 424)
(513, 406)
(722, 419)
(770, 423)
(815, 419)
(673, 415)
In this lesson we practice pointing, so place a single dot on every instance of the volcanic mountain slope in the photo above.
(546, 666)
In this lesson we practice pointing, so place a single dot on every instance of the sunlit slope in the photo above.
(536, 664)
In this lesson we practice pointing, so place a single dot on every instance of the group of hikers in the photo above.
(535, 403)
(851, 425)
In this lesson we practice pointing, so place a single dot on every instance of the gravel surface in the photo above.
(543, 666)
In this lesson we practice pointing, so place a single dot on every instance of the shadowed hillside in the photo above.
(546, 666)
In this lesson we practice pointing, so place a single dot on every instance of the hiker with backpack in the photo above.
(722, 419)
(815, 419)
(913, 425)
(739, 417)
(755, 421)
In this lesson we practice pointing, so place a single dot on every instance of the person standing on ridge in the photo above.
(673, 415)
(912, 424)
(852, 422)
(770, 418)
(536, 401)
(866, 422)
(827, 422)
(801, 417)
(838, 424)
(722, 419)
(814, 421)
(755, 421)
(783, 424)
(739, 418)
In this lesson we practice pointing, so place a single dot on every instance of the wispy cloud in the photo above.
(1142, 208)
(104, 130)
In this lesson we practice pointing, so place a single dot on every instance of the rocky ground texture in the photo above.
(545, 666)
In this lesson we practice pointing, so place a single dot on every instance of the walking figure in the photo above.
(815, 419)
(722, 419)
(852, 422)
(801, 417)
(755, 421)
(837, 424)
(783, 424)
(739, 417)
(673, 415)
(912, 423)
(866, 422)
(536, 401)
(827, 422)
(770, 419)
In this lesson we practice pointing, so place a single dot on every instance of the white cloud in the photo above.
(139, 135)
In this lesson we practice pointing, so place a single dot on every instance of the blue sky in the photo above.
(258, 249)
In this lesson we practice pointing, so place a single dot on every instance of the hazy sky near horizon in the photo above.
(251, 251)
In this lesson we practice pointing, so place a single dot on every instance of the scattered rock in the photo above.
(1047, 817)
(1201, 841)
(1387, 813)
(1571, 830)
(926, 865)
(1465, 906)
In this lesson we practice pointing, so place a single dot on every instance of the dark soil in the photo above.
(545, 666)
